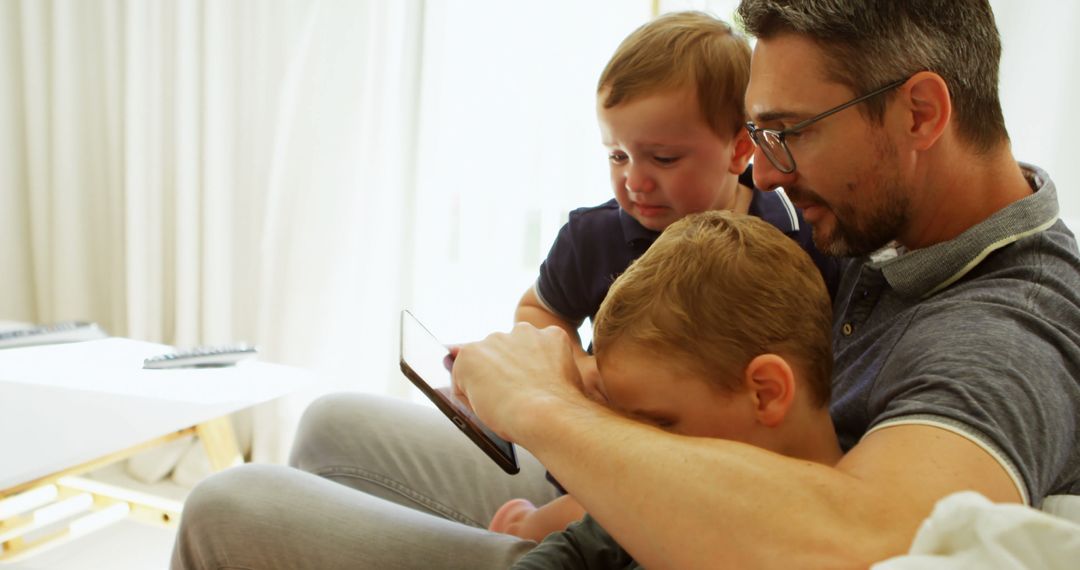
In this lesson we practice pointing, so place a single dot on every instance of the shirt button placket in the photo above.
(863, 300)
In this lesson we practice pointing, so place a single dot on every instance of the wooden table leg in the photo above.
(219, 440)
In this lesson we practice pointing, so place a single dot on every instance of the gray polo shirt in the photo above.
(979, 335)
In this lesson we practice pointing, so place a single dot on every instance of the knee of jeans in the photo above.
(221, 500)
(325, 422)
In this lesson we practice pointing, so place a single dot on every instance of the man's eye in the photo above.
(617, 157)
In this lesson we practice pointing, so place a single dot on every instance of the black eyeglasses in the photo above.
(771, 141)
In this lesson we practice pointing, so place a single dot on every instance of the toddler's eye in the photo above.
(617, 157)
(662, 423)
(666, 159)
(596, 396)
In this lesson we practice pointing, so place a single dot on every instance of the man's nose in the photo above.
(639, 179)
(766, 176)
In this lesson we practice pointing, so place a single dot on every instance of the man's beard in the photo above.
(866, 229)
(854, 236)
(859, 231)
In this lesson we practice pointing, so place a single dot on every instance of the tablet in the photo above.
(426, 363)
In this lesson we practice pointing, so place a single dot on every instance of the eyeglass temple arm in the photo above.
(802, 125)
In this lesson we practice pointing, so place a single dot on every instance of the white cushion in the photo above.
(155, 464)
(966, 530)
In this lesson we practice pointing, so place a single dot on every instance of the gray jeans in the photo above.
(373, 483)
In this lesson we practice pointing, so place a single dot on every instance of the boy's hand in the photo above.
(513, 518)
(522, 519)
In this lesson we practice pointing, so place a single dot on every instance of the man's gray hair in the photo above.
(870, 43)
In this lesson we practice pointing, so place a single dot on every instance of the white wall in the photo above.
(508, 144)
(1040, 79)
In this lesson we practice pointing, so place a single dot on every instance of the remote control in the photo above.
(56, 333)
(202, 357)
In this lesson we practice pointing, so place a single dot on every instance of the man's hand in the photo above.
(507, 378)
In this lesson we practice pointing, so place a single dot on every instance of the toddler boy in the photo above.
(671, 114)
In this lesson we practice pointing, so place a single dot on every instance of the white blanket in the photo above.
(966, 530)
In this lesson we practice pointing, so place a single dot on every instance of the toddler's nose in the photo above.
(638, 181)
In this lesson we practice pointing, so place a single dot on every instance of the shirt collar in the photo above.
(633, 231)
(773, 207)
(923, 272)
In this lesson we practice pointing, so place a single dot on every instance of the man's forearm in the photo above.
(675, 501)
(679, 502)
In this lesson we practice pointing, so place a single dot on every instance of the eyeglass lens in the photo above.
(773, 145)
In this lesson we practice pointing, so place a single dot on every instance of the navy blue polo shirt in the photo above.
(597, 244)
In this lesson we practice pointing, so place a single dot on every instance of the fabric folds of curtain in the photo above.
(207, 172)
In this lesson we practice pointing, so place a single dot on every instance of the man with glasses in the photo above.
(955, 327)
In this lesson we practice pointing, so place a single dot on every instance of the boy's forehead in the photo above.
(631, 357)
(661, 115)
(666, 96)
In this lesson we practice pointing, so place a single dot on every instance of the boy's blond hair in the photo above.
(716, 290)
(678, 50)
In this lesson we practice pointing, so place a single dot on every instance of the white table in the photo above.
(68, 409)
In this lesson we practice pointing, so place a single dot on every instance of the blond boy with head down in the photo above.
(721, 329)
(671, 114)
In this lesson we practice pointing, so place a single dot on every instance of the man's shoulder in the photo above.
(1057, 240)
(1018, 290)
(980, 335)
(1019, 305)
(1038, 273)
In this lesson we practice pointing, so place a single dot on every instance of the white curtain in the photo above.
(508, 145)
(209, 172)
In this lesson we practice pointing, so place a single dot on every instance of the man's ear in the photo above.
(741, 152)
(927, 107)
(771, 383)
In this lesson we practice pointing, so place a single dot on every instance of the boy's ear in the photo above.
(928, 108)
(741, 152)
(771, 383)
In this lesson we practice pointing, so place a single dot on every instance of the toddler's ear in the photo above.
(741, 152)
(772, 386)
